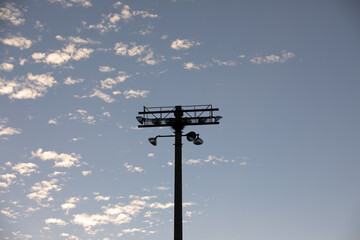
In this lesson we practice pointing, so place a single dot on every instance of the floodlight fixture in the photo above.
(140, 119)
(217, 118)
(191, 136)
(153, 141)
(198, 141)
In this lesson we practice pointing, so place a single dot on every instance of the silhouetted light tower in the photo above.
(178, 117)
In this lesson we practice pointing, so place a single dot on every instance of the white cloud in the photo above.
(284, 57)
(70, 3)
(162, 188)
(25, 168)
(22, 61)
(107, 98)
(102, 198)
(106, 69)
(69, 204)
(144, 54)
(85, 173)
(39, 25)
(19, 42)
(8, 177)
(70, 81)
(224, 63)
(82, 116)
(151, 155)
(132, 230)
(53, 121)
(131, 168)
(183, 44)
(8, 212)
(110, 82)
(4, 130)
(111, 21)
(29, 87)
(55, 221)
(135, 93)
(12, 14)
(60, 57)
(41, 191)
(191, 65)
(8, 67)
(61, 160)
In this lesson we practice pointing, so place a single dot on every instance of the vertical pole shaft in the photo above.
(178, 178)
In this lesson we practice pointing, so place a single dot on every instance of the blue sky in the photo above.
(283, 164)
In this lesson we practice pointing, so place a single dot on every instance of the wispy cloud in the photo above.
(106, 69)
(135, 93)
(27, 87)
(144, 53)
(109, 83)
(5, 66)
(71, 3)
(284, 57)
(111, 21)
(5, 130)
(12, 14)
(103, 96)
(41, 191)
(17, 41)
(131, 168)
(60, 160)
(25, 168)
(179, 44)
(71, 81)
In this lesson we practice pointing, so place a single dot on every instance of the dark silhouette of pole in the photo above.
(178, 175)
(161, 117)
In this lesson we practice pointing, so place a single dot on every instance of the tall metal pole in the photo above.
(178, 175)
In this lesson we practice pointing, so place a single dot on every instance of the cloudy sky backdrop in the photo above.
(283, 164)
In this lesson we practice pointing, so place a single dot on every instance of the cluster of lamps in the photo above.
(190, 136)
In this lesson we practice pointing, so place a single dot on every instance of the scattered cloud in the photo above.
(39, 25)
(25, 169)
(106, 69)
(61, 160)
(191, 65)
(214, 160)
(102, 198)
(103, 96)
(8, 177)
(8, 67)
(109, 83)
(20, 42)
(224, 63)
(131, 168)
(53, 121)
(82, 116)
(179, 44)
(55, 221)
(41, 191)
(85, 173)
(4, 130)
(27, 87)
(284, 57)
(144, 53)
(70, 204)
(111, 21)
(135, 93)
(70, 81)
(12, 14)
(70, 3)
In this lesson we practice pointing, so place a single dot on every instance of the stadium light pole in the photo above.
(173, 116)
